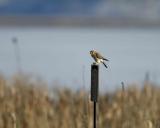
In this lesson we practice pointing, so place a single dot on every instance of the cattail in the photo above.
(13, 116)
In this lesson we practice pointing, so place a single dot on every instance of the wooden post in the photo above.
(94, 89)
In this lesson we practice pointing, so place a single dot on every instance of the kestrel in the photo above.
(98, 57)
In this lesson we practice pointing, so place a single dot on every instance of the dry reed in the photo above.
(27, 103)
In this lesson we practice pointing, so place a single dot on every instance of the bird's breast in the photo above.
(99, 60)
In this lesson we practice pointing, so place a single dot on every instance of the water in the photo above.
(62, 54)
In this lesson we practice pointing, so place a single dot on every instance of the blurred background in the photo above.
(45, 63)
(52, 39)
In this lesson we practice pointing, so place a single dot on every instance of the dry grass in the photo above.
(27, 103)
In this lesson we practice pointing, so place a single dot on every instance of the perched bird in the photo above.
(98, 57)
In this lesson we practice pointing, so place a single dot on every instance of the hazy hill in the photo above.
(137, 11)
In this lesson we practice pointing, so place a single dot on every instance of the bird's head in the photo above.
(92, 52)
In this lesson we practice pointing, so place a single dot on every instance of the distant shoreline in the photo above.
(74, 21)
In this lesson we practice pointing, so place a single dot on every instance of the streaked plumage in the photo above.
(98, 57)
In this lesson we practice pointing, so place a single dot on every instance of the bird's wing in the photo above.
(99, 56)
(105, 59)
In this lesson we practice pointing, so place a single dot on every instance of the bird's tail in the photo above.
(105, 65)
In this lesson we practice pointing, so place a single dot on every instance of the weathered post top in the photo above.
(94, 82)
